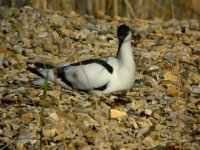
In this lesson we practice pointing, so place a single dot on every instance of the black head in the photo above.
(122, 32)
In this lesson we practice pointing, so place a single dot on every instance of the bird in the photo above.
(99, 75)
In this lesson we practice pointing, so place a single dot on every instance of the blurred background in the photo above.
(131, 9)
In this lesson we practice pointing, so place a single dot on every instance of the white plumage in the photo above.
(99, 76)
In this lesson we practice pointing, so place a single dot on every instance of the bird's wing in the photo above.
(93, 74)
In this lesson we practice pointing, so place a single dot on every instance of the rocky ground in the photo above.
(160, 112)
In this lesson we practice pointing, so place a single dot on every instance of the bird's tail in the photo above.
(43, 74)
(49, 72)
(42, 70)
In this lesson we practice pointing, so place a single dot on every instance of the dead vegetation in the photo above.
(131, 9)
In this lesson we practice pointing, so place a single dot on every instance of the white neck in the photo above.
(125, 55)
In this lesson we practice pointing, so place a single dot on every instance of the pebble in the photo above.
(1, 60)
(195, 89)
(196, 50)
(53, 116)
(42, 34)
(148, 111)
(170, 76)
(19, 146)
(191, 105)
(87, 120)
(27, 116)
(66, 134)
(100, 14)
(48, 46)
(38, 50)
(57, 20)
(117, 114)
(49, 133)
(194, 25)
(172, 92)
(149, 142)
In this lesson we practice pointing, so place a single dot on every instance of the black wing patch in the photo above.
(44, 66)
(108, 67)
(35, 71)
(61, 74)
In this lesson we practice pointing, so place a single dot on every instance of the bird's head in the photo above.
(123, 33)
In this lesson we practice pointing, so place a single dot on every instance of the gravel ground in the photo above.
(160, 112)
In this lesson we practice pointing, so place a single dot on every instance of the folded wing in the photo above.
(88, 75)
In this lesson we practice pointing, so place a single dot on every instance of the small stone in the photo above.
(92, 27)
(195, 89)
(102, 38)
(196, 50)
(1, 95)
(42, 34)
(148, 111)
(194, 25)
(191, 105)
(140, 133)
(27, 116)
(19, 65)
(198, 118)
(57, 20)
(66, 32)
(38, 50)
(19, 146)
(148, 142)
(46, 133)
(114, 113)
(87, 120)
(54, 116)
(53, 132)
(154, 67)
(8, 54)
(147, 43)
(64, 135)
(55, 93)
(23, 79)
(196, 79)
(100, 14)
(151, 81)
(172, 92)
(49, 132)
(133, 122)
(1, 62)
(31, 55)
(166, 83)
(132, 145)
(8, 133)
(171, 77)
(85, 104)
(49, 47)
(173, 115)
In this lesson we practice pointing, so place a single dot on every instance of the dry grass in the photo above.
(141, 9)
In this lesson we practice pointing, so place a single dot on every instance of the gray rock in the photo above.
(194, 25)
(25, 51)
(15, 126)
(196, 50)
(43, 34)
(1, 60)
(195, 89)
